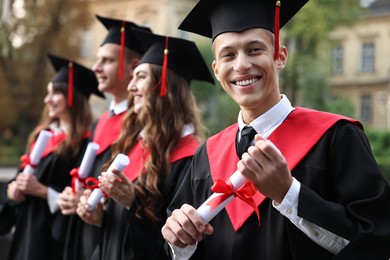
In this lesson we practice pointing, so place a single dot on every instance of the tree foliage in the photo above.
(29, 31)
(306, 37)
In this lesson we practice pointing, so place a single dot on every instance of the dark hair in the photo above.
(81, 119)
(162, 119)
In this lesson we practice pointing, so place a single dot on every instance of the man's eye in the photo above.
(227, 55)
(255, 50)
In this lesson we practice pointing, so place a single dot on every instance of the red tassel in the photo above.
(122, 51)
(70, 84)
(277, 29)
(163, 90)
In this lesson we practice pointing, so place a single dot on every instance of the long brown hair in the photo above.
(81, 119)
(162, 119)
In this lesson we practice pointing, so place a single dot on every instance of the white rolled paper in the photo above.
(119, 163)
(205, 211)
(87, 162)
(37, 151)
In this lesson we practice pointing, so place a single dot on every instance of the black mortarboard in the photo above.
(119, 32)
(76, 76)
(179, 55)
(114, 35)
(213, 17)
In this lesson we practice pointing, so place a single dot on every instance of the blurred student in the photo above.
(40, 227)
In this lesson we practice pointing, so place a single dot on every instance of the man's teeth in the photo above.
(246, 82)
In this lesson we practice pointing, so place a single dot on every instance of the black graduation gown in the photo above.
(82, 239)
(40, 234)
(342, 190)
(124, 236)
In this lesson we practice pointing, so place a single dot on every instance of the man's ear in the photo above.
(131, 66)
(282, 60)
(215, 69)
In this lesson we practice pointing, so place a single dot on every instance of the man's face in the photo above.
(244, 65)
(106, 69)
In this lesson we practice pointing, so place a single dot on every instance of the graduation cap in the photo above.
(179, 55)
(76, 76)
(211, 18)
(119, 32)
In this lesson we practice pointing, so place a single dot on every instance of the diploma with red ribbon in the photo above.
(79, 174)
(30, 162)
(119, 163)
(224, 193)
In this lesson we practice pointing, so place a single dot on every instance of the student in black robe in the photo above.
(117, 56)
(40, 227)
(314, 190)
(160, 134)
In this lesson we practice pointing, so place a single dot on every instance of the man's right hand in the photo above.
(185, 227)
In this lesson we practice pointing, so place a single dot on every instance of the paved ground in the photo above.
(7, 173)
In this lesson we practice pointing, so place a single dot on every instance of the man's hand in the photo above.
(185, 227)
(68, 200)
(265, 166)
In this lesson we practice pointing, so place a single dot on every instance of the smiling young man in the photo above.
(319, 192)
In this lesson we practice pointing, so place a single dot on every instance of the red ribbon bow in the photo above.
(76, 177)
(94, 184)
(26, 160)
(245, 193)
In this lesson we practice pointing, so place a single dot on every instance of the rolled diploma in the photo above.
(205, 212)
(87, 162)
(37, 151)
(119, 163)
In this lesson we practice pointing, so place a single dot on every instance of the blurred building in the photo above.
(162, 16)
(361, 65)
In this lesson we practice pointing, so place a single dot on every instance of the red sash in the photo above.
(295, 137)
(54, 142)
(138, 155)
(107, 130)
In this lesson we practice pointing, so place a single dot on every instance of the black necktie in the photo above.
(247, 135)
(111, 113)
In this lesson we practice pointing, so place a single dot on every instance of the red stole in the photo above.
(138, 155)
(54, 142)
(107, 130)
(295, 137)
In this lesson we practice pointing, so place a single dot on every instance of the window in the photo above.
(368, 57)
(366, 108)
(337, 60)
(86, 45)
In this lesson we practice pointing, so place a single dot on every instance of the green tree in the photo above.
(29, 30)
(306, 37)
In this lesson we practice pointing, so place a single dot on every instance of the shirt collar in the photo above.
(56, 129)
(119, 107)
(188, 129)
(267, 122)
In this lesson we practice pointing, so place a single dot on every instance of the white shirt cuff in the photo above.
(182, 253)
(52, 197)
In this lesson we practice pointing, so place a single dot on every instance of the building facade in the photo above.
(360, 57)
